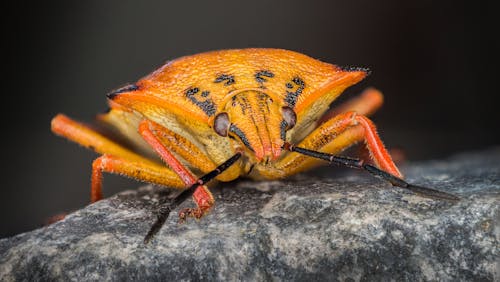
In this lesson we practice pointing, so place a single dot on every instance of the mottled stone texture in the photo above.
(348, 228)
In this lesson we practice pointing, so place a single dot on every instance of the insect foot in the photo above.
(196, 213)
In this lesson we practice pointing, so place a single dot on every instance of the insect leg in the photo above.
(166, 209)
(116, 159)
(377, 149)
(332, 137)
(201, 195)
(182, 147)
(335, 135)
(343, 121)
(89, 138)
(152, 173)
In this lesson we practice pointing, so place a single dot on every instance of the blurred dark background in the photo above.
(434, 60)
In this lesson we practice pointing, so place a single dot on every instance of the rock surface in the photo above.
(349, 228)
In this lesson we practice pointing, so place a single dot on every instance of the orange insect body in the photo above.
(188, 92)
(240, 109)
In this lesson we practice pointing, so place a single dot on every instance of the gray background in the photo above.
(434, 60)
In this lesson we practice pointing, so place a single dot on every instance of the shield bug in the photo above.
(259, 113)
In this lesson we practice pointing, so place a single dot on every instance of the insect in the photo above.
(259, 113)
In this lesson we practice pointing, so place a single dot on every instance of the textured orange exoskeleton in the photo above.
(260, 113)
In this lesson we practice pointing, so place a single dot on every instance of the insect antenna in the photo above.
(359, 164)
(166, 207)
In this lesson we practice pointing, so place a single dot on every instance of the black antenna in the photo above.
(166, 208)
(358, 164)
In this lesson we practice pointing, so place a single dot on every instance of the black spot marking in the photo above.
(283, 126)
(126, 88)
(233, 128)
(192, 91)
(291, 97)
(289, 85)
(225, 77)
(260, 76)
(205, 103)
(298, 81)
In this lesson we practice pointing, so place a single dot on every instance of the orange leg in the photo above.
(89, 138)
(375, 146)
(182, 147)
(338, 129)
(334, 134)
(350, 124)
(332, 137)
(116, 158)
(369, 101)
(189, 152)
(138, 170)
(201, 195)
(196, 187)
(165, 209)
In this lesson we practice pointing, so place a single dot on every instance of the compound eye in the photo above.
(289, 116)
(221, 124)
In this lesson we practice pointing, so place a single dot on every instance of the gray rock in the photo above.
(351, 227)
